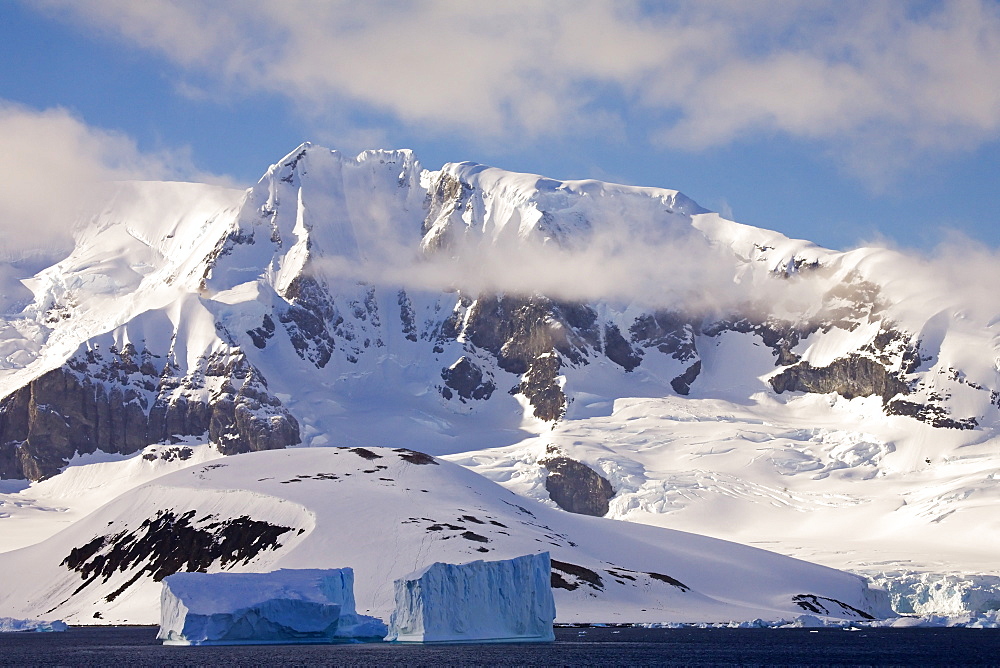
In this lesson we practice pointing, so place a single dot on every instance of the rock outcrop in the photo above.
(850, 377)
(577, 488)
(465, 377)
(119, 401)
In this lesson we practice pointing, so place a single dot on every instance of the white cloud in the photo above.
(959, 276)
(878, 82)
(55, 166)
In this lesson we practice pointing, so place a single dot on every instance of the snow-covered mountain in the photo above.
(604, 349)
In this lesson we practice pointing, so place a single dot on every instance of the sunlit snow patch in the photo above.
(281, 607)
(482, 601)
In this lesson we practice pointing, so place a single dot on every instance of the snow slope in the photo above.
(139, 254)
(386, 512)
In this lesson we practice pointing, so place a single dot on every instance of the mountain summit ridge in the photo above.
(474, 284)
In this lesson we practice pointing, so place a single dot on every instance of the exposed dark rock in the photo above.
(669, 332)
(60, 414)
(850, 377)
(519, 330)
(781, 338)
(309, 318)
(576, 487)
(682, 383)
(669, 580)
(541, 387)
(169, 454)
(579, 573)
(880, 371)
(556, 581)
(821, 605)
(261, 334)
(414, 457)
(533, 336)
(618, 349)
(620, 574)
(473, 536)
(672, 334)
(366, 454)
(444, 526)
(893, 347)
(407, 317)
(251, 419)
(370, 312)
(168, 544)
(225, 246)
(118, 403)
(929, 413)
(466, 378)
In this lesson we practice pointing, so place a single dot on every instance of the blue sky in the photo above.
(845, 123)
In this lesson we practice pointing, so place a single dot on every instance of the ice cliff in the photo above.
(482, 601)
(285, 606)
(941, 594)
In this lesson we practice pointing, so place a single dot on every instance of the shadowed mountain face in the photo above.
(343, 296)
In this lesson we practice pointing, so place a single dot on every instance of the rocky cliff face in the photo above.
(119, 401)
(533, 338)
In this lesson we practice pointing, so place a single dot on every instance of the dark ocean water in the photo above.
(137, 646)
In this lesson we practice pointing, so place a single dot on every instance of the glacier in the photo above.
(284, 606)
(483, 601)
(942, 594)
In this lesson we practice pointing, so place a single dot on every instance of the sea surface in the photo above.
(137, 646)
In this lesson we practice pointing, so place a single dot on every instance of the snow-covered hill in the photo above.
(387, 512)
(604, 349)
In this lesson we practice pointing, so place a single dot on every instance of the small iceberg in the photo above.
(281, 607)
(482, 601)
(11, 625)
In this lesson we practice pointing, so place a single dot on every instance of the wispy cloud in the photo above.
(876, 83)
(956, 278)
(55, 166)
(579, 241)
(681, 272)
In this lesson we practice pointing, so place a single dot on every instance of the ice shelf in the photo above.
(284, 606)
(482, 601)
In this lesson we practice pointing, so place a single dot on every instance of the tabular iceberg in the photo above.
(13, 625)
(482, 601)
(285, 606)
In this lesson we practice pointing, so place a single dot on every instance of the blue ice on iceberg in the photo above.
(13, 625)
(284, 606)
(482, 601)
